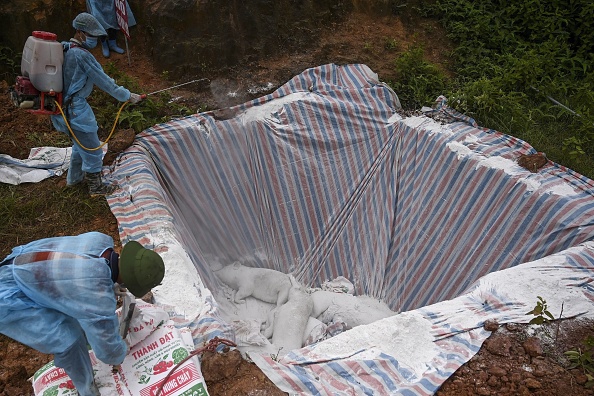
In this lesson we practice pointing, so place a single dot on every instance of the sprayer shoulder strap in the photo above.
(74, 44)
(68, 100)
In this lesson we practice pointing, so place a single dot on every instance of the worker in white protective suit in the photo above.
(105, 12)
(59, 294)
(81, 71)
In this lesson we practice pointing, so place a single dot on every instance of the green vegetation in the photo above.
(9, 65)
(584, 360)
(153, 110)
(391, 44)
(542, 316)
(39, 139)
(541, 312)
(523, 68)
(419, 82)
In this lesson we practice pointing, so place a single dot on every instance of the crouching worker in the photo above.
(58, 294)
(81, 71)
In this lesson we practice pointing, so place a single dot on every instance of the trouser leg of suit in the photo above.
(75, 173)
(77, 364)
(92, 158)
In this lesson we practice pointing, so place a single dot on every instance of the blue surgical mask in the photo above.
(91, 42)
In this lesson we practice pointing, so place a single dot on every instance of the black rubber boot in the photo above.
(96, 186)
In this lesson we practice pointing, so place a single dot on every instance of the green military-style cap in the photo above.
(140, 269)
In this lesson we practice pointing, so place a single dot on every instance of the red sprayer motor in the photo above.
(40, 86)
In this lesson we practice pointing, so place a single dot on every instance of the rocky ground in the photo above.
(515, 360)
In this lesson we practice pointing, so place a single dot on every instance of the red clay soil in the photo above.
(515, 360)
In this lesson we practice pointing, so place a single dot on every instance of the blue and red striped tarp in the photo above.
(323, 178)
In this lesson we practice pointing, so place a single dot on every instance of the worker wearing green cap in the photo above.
(57, 296)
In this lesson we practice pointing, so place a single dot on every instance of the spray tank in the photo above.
(40, 86)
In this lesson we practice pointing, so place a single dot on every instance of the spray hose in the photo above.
(108, 137)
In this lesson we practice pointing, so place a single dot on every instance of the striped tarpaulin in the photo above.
(322, 178)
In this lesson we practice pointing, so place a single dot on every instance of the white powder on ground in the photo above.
(532, 184)
(181, 287)
(260, 89)
(551, 278)
(267, 110)
(394, 118)
(497, 162)
(427, 123)
(548, 278)
(510, 167)
(406, 336)
(460, 149)
(471, 139)
(562, 189)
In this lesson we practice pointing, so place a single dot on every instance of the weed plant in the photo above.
(418, 82)
(583, 359)
(540, 312)
(523, 68)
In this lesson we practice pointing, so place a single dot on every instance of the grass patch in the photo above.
(54, 139)
(523, 68)
(44, 209)
(418, 82)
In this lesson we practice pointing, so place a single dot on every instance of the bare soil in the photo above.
(515, 360)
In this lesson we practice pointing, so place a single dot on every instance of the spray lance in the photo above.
(144, 96)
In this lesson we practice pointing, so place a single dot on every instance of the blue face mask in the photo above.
(91, 42)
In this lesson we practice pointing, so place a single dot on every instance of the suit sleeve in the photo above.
(103, 81)
(101, 326)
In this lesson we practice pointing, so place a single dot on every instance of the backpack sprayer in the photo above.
(39, 88)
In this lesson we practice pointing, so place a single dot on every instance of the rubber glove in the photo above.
(119, 291)
(135, 98)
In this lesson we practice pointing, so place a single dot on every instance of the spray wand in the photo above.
(144, 96)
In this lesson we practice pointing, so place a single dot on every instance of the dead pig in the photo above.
(290, 321)
(351, 310)
(264, 284)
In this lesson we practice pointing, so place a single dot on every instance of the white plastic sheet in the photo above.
(43, 162)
